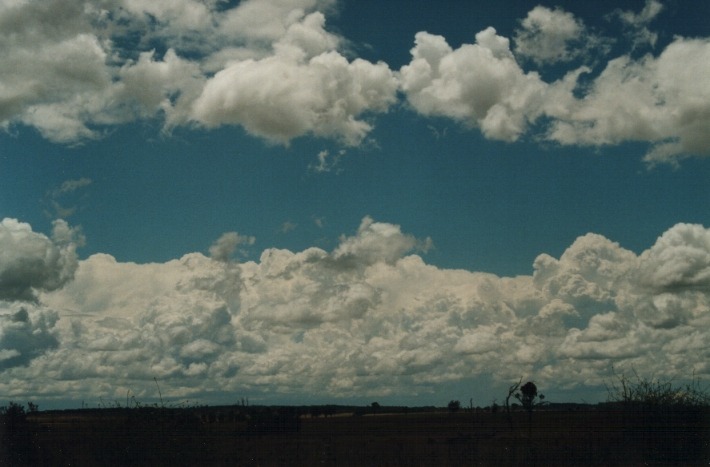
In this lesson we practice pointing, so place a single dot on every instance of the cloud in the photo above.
(375, 242)
(25, 335)
(31, 262)
(53, 68)
(680, 260)
(638, 23)
(55, 197)
(368, 318)
(327, 162)
(480, 84)
(223, 249)
(549, 36)
(287, 227)
(70, 186)
(73, 70)
(267, 21)
(70, 70)
(304, 88)
(149, 86)
(179, 15)
(645, 100)
(318, 221)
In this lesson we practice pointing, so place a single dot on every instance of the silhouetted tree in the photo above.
(375, 407)
(511, 391)
(454, 406)
(529, 397)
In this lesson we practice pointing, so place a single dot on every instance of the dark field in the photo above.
(291, 436)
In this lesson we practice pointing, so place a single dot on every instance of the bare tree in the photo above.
(511, 391)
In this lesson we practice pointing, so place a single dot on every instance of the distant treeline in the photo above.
(322, 410)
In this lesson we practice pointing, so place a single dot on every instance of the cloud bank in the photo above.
(73, 69)
(368, 319)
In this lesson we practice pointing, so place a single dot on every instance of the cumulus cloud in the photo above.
(70, 186)
(71, 69)
(53, 68)
(267, 21)
(32, 262)
(680, 260)
(376, 241)
(638, 23)
(287, 227)
(306, 87)
(149, 86)
(645, 100)
(180, 15)
(478, 84)
(327, 162)
(549, 36)
(56, 198)
(227, 244)
(367, 318)
(25, 335)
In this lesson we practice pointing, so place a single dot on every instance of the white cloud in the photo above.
(664, 101)
(661, 100)
(267, 21)
(287, 227)
(227, 244)
(638, 23)
(178, 14)
(375, 242)
(57, 197)
(25, 335)
(31, 262)
(149, 86)
(304, 88)
(368, 318)
(327, 162)
(549, 36)
(54, 85)
(72, 69)
(478, 84)
(680, 260)
(650, 11)
(70, 186)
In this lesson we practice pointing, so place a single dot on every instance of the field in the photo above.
(347, 437)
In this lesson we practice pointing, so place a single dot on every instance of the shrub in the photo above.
(640, 393)
(13, 414)
(15, 440)
(454, 406)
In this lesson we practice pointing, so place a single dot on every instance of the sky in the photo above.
(340, 201)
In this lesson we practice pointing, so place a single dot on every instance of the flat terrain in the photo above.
(290, 436)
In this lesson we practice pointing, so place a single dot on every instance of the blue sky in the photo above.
(179, 137)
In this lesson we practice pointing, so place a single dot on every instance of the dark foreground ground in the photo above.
(270, 436)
